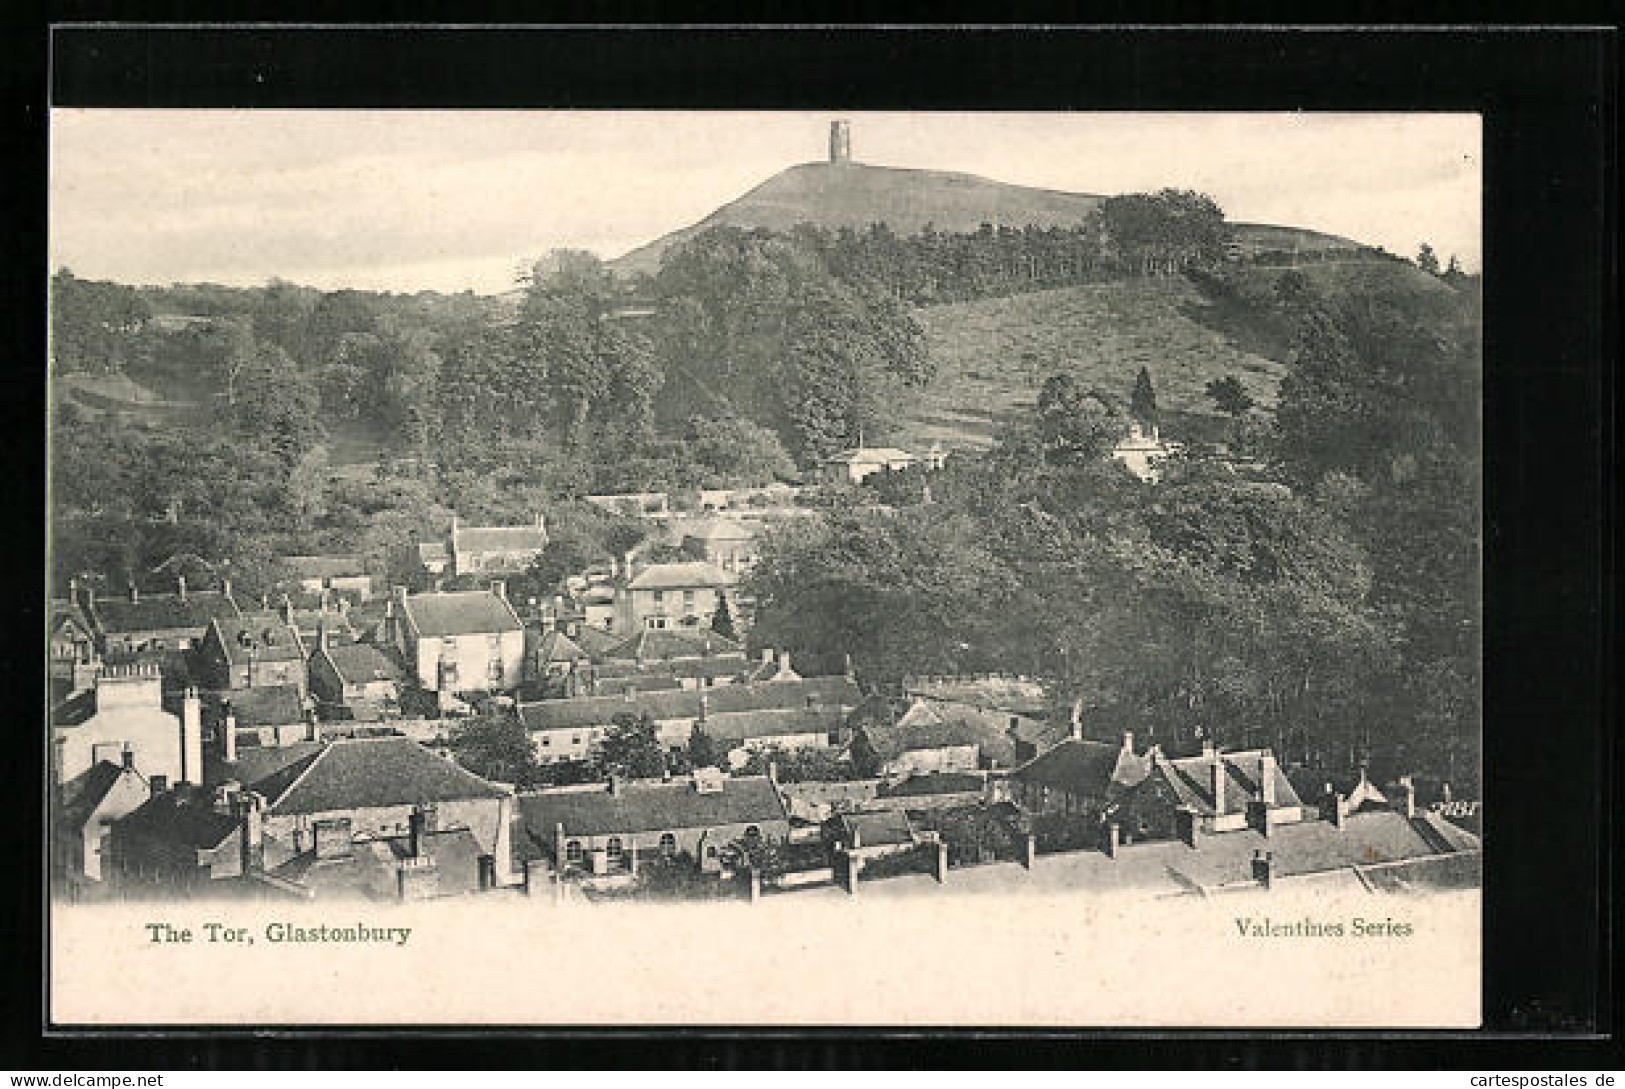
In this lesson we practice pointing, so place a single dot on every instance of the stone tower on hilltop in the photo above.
(840, 142)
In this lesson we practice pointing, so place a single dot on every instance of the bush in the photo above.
(921, 858)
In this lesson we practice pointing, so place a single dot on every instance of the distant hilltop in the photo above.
(842, 193)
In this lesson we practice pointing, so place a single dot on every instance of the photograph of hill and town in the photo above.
(1079, 502)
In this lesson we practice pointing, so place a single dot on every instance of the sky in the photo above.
(455, 200)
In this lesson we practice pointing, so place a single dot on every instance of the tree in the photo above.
(1143, 404)
(277, 405)
(1230, 395)
(1073, 427)
(496, 747)
(722, 621)
(702, 751)
(865, 760)
(1427, 260)
(631, 748)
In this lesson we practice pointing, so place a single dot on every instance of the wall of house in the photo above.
(152, 734)
(473, 656)
(487, 818)
(495, 562)
(637, 607)
(159, 638)
(127, 795)
(150, 865)
(698, 842)
(924, 761)
(578, 743)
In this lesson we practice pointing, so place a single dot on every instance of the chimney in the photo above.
(773, 772)
(857, 838)
(627, 564)
(488, 873)
(1263, 867)
(767, 655)
(159, 784)
(399, 595)
(1266, 777)
(180, 586)
(540, 525)
(287, 610)
(784, 664)
(1076, 732)
(1216, 780)
(414, 836)
(1188, 825)
(616, 786)
(500, 588)
(1128, 742)
(321, 633)
(128, 756)
(191, 737)
(135, 593)
(225, 587)
(1114, 837)
(705, 706)
(253, 831)
(228, 738)
(1406, 802)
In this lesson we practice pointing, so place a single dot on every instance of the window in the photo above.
(688, 600)
(660, 597)
(495, 671)
(711, 851)
(753, 833)
(614, 849)
(668, 844)
(572, 851)
(547, 741)
(575, 739)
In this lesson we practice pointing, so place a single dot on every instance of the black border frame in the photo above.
(1548, 98)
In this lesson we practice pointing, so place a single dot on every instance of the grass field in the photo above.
(993, 354)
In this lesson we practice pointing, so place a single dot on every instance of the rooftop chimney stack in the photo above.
(840, 141)
(1216, 768)
(180, 586)
(1128, 742)
(1076, 732)
(192, 736)
(1266, 778)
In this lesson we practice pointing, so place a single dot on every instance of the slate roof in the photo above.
(87, 790)
(650, 806)
(370, 773)
(162, 612)
(271, 705)
(597, 642)
(656, 645)
(362, 663)
(718, 529)
(740, 726)
(462, 612)
(936, 782)
(167, 817)
(555, 646)
(883, 828)
(1088, 769)
(620, 684)
(265, 634)
(64, 612)
(500, 538)
(325, 567)
(685, 703)
(1192, 783)
(680, 576)
(370, 870)
(926, 726)
(254, 762)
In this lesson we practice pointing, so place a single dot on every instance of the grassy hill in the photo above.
(993, 354)
(855, 195)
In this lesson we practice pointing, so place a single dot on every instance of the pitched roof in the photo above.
(740, 726)
(652, 643)
(622, 683)
(882, 828)
(717, 529)
(433, 552)
(461, 612)
(1191, 778)
(162, 612)
(928, 726)
(369, 871)
(685, 703)
(555, 646)
(499, 538)
(1086, 768)
(332, 566)
(264, 636)
(680, 576)
(270, 705)
(650, 806)
(255, 762)
(595, 641)
(361, 663)
(82, 794)
(370, 773)
(64, 612)
(168, 817)
(871, 454)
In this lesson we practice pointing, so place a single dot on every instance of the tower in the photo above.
(840, 142)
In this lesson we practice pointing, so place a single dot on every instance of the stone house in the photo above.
(462, 641)
(253, 650)
(485, 550)
(668, 595)
(599, 828)
(145, 621)
(356, 680)
(936, 736)
(344, 574)
(124, 712)
(87, 805)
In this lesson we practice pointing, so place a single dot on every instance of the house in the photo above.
(461, 641)
(727, 543)
(252, 650)
(123, 712)
(341, 573)
(1078, 776)
(597, 605)
(356, 680)
(428, 861)
(936, 736)
(599, 828)
(668, 595)
(271, 715)
(74, 658)
(140, 621)
(86, 806)
(1207, 794)
(662, 645)
(570, 729)
(877, 833)
(376, 784)
(673, 658)
(1144, 451)
(557, 663)
(856, 465)
(175, 845)
(485, 550)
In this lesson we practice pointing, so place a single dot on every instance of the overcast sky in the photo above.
(448, 200)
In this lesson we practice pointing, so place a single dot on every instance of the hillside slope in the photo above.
(855, 195)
